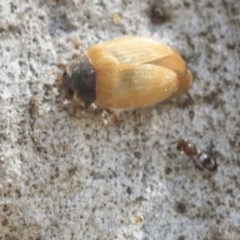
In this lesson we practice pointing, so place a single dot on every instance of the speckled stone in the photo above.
(66, 174)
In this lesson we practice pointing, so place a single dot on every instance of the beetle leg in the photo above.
(77, 43)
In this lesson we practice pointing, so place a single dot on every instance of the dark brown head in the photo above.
(188, 148)
(79, 80)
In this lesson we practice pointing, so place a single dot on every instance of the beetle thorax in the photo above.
(82, 77)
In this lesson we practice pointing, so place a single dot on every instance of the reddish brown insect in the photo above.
(202, 160)
(188, 148)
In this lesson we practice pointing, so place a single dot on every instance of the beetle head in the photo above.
(78, 80)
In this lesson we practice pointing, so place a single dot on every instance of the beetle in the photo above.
(126, 73)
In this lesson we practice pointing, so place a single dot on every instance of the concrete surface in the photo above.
(71, 176)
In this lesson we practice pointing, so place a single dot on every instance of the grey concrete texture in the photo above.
(68, 174)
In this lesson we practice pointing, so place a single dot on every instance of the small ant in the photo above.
(202, 160)
(158, 12)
